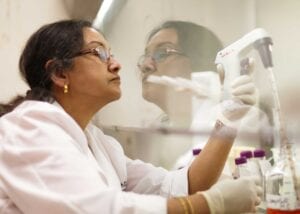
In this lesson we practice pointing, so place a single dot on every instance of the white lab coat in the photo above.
(49, 165)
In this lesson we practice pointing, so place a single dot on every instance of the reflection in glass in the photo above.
(159, 107)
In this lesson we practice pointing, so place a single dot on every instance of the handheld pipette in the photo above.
(285, 145)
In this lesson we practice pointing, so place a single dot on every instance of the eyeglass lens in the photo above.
(103, 54)
(158, 55)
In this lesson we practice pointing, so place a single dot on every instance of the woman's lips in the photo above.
(116, 79)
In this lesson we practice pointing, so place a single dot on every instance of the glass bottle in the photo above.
(282, 184)
(241, 167)
(252, 166)
(259, 156)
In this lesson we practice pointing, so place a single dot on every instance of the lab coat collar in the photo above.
(113, 150)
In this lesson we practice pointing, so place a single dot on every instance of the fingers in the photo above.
(258, 190)
(241, 80)
(254, 183)
(243, 89)
(256, 180)
(257, 201)
(247, 99)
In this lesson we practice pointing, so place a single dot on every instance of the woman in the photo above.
(54, 161)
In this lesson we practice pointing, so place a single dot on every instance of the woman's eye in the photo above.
(161, 53)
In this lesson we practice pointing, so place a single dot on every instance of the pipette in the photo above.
(285, 145)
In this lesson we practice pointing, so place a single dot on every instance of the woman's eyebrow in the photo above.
(98, 43)
(165, 44)
(160, 45)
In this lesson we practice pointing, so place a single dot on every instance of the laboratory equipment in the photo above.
(282, 184)
(252, 166)
(231, 62)
(259, 156)
(264, 166)
(241, 168)
(281, 195)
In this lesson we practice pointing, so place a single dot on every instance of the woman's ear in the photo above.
(58, 74)
(59, 78)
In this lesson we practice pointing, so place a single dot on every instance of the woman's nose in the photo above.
(147, 66)
(114, 66)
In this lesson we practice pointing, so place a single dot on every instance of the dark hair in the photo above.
(198, 42)
(59, 42)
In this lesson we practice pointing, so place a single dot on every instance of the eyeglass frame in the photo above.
(96, 52)
(169, 52)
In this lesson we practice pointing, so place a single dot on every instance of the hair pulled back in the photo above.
(50, 49)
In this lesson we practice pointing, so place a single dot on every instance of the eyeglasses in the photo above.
(158, 55)
(103, 54)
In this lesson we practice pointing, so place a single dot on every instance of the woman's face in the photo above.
(91, 78)
(174, 64)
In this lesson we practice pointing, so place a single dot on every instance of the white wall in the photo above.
(18, 20)
(281, 18)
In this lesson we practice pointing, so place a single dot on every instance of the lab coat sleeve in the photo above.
(43, 171)
(148, 179)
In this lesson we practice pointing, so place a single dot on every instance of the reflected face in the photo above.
(162, 56)
(94, 75)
